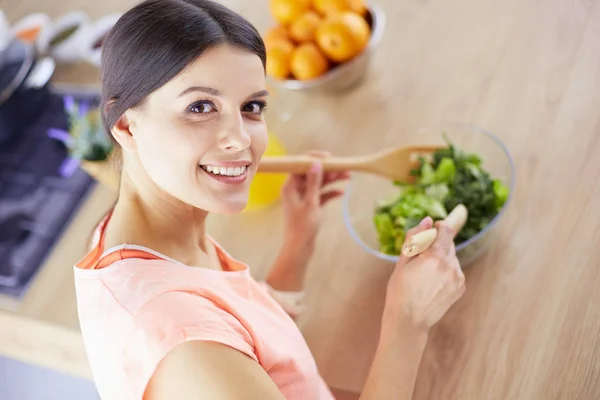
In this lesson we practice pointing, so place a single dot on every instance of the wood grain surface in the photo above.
(529, 71)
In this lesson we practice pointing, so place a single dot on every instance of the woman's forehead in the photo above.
(225, 70)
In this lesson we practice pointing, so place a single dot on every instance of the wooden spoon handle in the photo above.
(299, 164)
(457, 217)
(423, 240)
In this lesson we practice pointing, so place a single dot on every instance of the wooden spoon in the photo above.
(394, 164)
(420, 242)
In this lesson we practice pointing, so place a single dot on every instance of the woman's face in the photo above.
(201, 136)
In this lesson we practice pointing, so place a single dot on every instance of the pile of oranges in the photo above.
(313, 36)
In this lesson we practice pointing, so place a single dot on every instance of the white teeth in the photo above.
(231, 171)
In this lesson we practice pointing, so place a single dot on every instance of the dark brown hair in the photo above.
(156, 40)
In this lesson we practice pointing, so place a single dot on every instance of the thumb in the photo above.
(290, 189)
(426, 223)
(314, 180)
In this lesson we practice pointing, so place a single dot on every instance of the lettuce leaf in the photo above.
(449, 178)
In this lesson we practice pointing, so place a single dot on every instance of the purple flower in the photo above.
(68, 166)
(83, 108)
(69, 102)
(60, 135)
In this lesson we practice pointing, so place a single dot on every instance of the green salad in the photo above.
(448, 178)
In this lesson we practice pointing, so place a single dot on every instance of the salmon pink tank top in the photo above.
(135, 305)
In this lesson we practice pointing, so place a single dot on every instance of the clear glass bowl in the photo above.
(365, 190)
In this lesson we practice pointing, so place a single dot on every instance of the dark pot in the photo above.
(24, 88)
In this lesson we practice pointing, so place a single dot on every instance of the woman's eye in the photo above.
(202, 107)
(255, 107)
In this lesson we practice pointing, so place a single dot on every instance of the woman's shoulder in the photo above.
(125, 283)
(149, 308)
(133, 276)
(157, 300)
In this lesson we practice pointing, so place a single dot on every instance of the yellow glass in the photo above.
(266, 187)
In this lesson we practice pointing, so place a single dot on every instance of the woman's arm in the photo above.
(420, 291)
(285, 281)
(289, 269)
(303, 198)
(207, 370)
(212, 371)
(396, 363)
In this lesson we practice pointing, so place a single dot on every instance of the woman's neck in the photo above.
(147, 216)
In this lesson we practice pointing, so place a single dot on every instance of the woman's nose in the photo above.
(234, 136)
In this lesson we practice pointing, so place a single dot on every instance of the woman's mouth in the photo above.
(225, 171)
(232, 175)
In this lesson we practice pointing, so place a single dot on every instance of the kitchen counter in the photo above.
(528, 326)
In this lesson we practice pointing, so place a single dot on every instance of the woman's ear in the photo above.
(122, 133)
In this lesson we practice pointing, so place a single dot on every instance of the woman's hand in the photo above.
(303, 199)
(420, 291)
(423, 288)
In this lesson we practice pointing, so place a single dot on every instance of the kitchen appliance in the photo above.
(24, 83)
(36, 200)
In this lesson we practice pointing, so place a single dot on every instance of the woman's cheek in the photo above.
(260, 138)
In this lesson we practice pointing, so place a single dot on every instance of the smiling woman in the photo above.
(165, 312)
(183, 98)
(188, 93)
(186, 126)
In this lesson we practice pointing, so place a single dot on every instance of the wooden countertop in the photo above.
(529, 324)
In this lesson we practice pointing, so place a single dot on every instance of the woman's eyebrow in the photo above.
(261, 93)
(203, 89)
(215, 92)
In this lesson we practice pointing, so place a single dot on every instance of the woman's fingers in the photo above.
(328, 178)
(426, 223)
(330, 195)
(291, 189)
(309, 186)
(335, 176)
(444, 240)
(314, 181)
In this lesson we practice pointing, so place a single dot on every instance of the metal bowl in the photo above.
(348, 74)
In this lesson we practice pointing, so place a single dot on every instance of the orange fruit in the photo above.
(308, 62)
(303, 29)
(327, 7)
(279, 54)
(343, 36)
(286, 11)
(276, 32)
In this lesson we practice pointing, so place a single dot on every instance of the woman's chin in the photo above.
(230, 206)
(233, 210)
